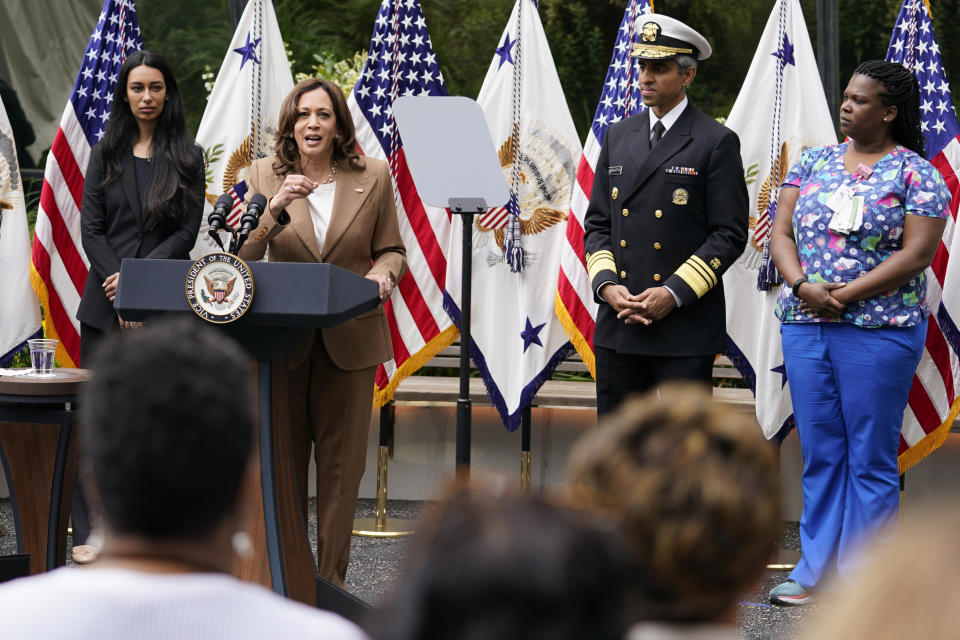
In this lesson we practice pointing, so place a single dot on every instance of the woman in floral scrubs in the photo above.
(856, 225)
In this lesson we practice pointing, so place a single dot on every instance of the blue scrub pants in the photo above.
(849, 387)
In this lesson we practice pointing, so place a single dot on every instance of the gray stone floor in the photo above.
(376, 563)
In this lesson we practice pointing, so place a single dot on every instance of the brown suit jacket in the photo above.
(363, 237)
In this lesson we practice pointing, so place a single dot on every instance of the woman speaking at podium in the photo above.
(142, 198)
(327, 204)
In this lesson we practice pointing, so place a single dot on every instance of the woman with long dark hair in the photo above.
(142, 198)
(329, 204)
(856, 225)
(143, 192)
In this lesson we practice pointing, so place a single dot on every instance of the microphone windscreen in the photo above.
(259, 201)
(225, 201)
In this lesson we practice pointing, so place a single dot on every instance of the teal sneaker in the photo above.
(790, 593)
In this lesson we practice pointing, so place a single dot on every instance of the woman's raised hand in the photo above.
(295, 186)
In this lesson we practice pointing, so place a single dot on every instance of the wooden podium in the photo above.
(289, 300)
(39, 456)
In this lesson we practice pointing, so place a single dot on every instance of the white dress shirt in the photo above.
(320, 204)
(669, 118)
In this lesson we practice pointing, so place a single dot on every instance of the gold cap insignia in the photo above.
(680, 196)
(650, 31)
(614, 193)
(715, 263)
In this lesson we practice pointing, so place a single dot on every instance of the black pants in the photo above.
(620, 375)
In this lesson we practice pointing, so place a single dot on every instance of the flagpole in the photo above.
(236, 11)
(828, 53)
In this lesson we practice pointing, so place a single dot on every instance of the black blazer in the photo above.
(113, 226)
(676, 216)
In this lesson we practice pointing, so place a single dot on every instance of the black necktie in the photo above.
(658, 131)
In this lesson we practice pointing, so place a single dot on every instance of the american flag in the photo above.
(401, 61)
(59, 268)
(574, 303)
(934, 401)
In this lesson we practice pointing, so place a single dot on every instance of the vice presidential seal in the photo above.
(219, 287)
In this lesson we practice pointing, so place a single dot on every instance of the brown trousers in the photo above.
(330, 408)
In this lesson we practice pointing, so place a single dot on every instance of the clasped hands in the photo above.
(822, 299)
(644, 308)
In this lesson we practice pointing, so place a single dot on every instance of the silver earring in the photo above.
(242, 544)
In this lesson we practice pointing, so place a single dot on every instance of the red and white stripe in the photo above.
(574, 303)
(59, 265)
(934, 400)
(495, 218)
(419, 326)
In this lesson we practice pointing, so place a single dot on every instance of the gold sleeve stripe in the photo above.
(600, 261)
(599, 255)
(698, 262)
(697, 276)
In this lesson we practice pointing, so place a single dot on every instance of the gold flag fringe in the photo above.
(440, 342)
(931, 442)
(576, 338)
(49, 330)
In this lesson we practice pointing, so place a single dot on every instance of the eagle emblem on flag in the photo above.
(760, 224)
(546, 179)
(8, 177)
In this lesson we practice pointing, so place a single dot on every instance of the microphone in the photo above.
(218, 217)
(251, 218)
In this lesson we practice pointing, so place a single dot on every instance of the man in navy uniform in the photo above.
(667, 216)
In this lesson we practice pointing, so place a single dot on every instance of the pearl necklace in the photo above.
(331, 175)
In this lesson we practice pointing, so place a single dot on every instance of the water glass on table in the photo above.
(42, 351)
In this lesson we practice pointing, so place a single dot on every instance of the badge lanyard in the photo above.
(846, 205)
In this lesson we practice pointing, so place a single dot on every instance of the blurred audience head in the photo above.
(692, 486)
(907, 588)
(167, 429)
(487, 566)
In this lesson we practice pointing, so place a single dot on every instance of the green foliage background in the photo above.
(581, 35)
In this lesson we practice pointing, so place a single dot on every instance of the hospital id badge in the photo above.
(850, 218)
(840, 200)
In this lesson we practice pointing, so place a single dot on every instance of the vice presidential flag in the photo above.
(934, 400)
(239, 124)
(620, 99)
(19, 309)
(401, 61)
(517, 337)
(59, 265)
(780, 112)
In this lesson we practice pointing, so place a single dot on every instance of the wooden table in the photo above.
(37, 435)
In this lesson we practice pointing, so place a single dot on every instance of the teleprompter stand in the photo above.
(454, 164)
(279, 318)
